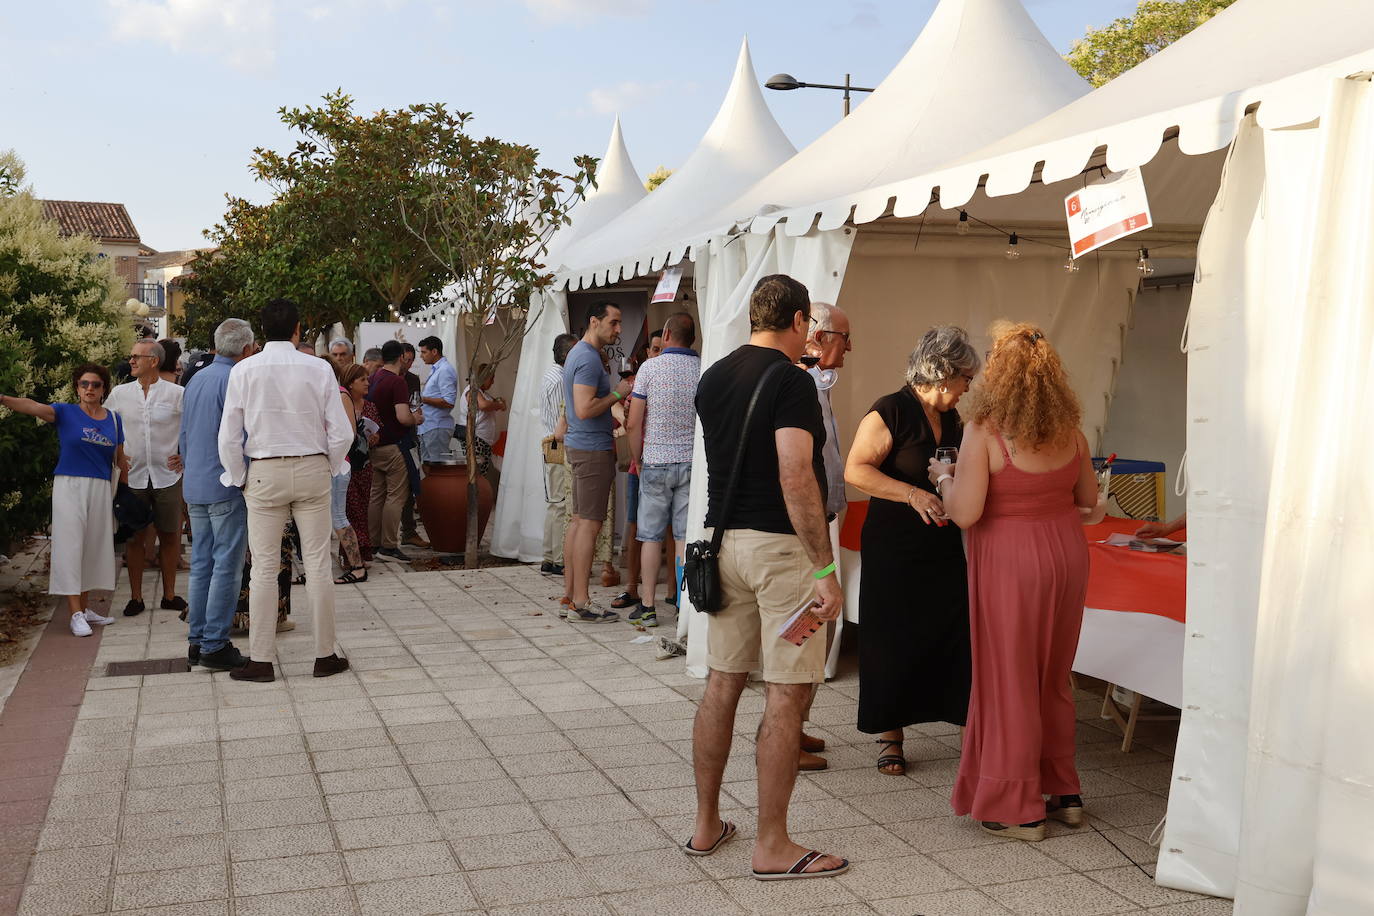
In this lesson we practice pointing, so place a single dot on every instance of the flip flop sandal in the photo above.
(798, 870)
(351, 577)
(727, 830)
(624, 600)
(891, 760)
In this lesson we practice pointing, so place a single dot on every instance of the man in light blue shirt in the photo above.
(440, 393)
(219, 516)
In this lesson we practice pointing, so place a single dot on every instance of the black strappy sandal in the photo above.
(891, 760)
(351, 577)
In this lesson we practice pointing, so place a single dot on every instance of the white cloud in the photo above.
(574, 10)
(623, 96)
(241, 32)
(865, 16)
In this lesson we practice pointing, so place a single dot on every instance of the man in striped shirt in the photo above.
(556, 475)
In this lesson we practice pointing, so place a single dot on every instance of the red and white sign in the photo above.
(666, 291)
(1106, 211)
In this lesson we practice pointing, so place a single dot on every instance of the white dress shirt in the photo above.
(551, 397)
(152, 425)
(281, 403)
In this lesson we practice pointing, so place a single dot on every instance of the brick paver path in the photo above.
(485, 756)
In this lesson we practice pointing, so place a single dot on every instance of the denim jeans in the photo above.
(219, 540)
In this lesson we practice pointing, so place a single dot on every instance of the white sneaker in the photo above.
(79, 625)
(92, 617)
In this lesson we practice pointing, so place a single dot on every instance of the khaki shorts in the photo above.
(593, 474)
(166, 503)
(763, 578)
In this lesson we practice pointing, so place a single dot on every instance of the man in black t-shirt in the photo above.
(774, 556)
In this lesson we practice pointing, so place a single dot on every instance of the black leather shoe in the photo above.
(193, 656)
(225, 658)
(174, 603)
(259, 672)
(330, 664)
(133, 608)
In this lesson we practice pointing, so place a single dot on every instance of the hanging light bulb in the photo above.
(1013, 247)
(962, 227)
(1145, 267)
(1071, 266)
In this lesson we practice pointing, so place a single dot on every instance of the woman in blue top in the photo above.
(92, 443)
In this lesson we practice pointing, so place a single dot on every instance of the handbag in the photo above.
(701, 569)
(552, 449)
(131, 512)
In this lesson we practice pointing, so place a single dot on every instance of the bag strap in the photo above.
(733, 483)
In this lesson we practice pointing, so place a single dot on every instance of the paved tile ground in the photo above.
(484, 756)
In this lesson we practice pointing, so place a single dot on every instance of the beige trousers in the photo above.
(279, 488)
(559, 497)
(390, 491)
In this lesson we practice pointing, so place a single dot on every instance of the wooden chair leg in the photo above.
(1131, 723)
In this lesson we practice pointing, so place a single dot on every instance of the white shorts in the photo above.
(82, 556)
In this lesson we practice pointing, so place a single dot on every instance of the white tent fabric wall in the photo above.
(1274, 778)
(517, 527)
(724, 281)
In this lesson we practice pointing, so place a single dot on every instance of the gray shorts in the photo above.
(663, 494)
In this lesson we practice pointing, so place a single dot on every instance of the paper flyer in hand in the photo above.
(802, 625)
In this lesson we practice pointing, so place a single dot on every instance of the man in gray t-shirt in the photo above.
(590, 453)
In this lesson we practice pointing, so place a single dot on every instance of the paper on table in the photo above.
(1147, 545)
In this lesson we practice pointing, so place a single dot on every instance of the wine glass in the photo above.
(947, 454)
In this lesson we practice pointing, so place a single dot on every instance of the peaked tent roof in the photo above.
(978, 70)
(618, 187)
(1196, 91)
(743, 143)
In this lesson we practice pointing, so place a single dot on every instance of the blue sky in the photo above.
(159, 103)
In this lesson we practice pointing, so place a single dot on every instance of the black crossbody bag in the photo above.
(701, 566)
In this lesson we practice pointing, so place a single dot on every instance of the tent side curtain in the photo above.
(1273, 788)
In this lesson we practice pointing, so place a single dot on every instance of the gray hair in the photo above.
(341, 340)
(154, 350)
(373, 353)
(232, 335)
(944, 352)
(822, 313)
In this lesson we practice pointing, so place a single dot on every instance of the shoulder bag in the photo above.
(131, 512)
(701, 568)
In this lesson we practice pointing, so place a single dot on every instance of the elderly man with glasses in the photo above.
(150, 408)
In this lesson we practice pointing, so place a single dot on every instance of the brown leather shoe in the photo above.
(610, 578)
(330, 664)
(812, 745)
(415, 540)
(259, 672)
(810, 762)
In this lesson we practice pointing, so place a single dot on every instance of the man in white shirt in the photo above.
(150, 410)
(556, 477)
(283, 435)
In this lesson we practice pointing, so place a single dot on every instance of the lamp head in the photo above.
(783, 81)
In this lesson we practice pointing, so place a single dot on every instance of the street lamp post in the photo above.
(786, 81)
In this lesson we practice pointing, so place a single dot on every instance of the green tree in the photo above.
(1105, 53)
(60, 306)
(657, 177)
(487, 215)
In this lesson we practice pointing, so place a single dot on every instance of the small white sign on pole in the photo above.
(1107, 210)
(666, 291)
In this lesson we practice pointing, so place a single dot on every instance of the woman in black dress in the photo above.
(913, 594)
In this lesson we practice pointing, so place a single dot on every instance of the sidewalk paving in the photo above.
(485, 756)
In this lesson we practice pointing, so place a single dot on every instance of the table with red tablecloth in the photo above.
(1133, 618)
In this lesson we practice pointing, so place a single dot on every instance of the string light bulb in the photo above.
(962, 227)
(1145, 267)
(1071, 266)
(1013, 247)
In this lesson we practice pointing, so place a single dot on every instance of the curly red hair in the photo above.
(1024, 393)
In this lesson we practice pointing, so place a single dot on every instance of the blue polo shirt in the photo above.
(201, 409)
(583, 367)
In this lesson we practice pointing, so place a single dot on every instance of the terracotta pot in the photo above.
(443, 506)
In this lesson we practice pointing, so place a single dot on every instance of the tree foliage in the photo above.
(1105, 53)
(332, 238)
(60, 306)
(657, 177)
(487, 215)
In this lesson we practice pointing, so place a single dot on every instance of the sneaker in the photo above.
(92, 617)
(134, 607)
(79, 625)
(591, 612)
(551, 569)
(225, 658)
(174, 603)
(643, 616)
(392, 555)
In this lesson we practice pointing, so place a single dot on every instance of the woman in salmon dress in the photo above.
(1024, 479)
